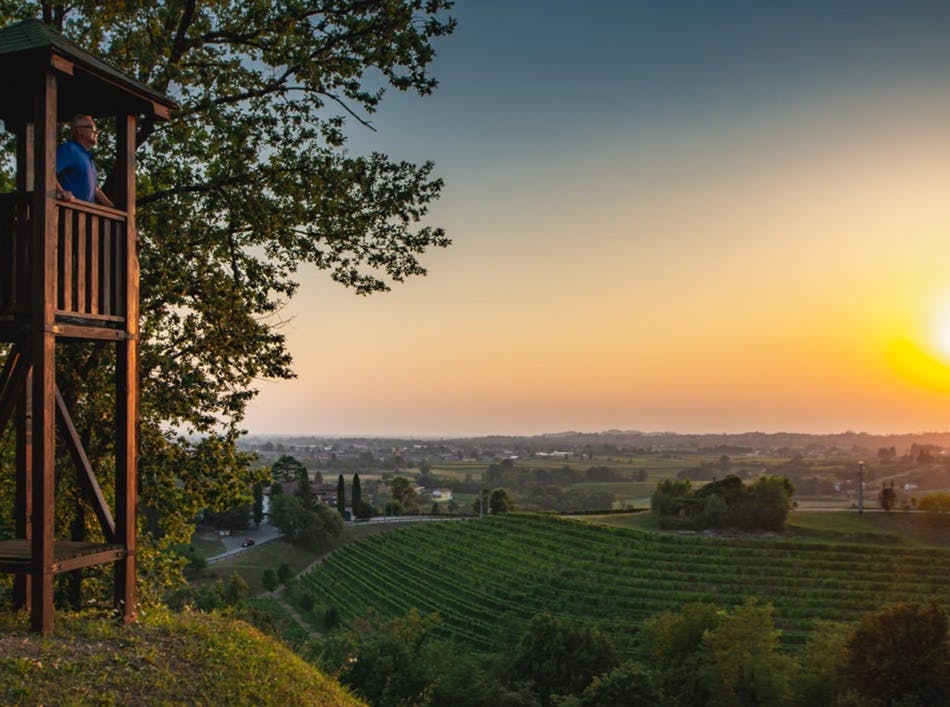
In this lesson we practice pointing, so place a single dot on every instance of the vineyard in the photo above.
(487, 578)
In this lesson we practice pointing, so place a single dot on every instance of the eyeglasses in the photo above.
(88, 127)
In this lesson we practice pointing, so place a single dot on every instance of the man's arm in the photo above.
(101, 198)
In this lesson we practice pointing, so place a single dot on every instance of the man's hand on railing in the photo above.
(62, 194)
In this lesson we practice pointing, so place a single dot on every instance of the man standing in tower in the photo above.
(76, 175)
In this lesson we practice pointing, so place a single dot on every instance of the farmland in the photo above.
(487, 578)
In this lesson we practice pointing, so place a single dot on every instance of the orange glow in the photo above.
(918, 366)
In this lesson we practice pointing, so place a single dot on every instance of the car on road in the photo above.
(248, 542)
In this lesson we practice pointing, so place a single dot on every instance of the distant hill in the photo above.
(166, 658)
(623, 441)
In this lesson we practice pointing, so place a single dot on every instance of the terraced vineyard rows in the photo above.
(487, 578)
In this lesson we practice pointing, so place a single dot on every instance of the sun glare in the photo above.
(919, 366)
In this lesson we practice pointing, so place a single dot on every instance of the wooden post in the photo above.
(23, 505)
(43, 355)
(24, 158)
(127, 380)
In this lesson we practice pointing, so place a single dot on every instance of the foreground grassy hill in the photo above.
(166, 658)
(487, 578)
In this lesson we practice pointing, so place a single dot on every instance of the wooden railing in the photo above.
(91, 259)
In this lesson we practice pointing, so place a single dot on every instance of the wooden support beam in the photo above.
(127, 378)
(23, 497)
(43, 355)
(87, 478)
(24, 158)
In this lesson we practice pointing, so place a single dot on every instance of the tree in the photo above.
(270, 579)
(387, 662)
(258, 510)
(249, 183)
(286, 468)
(305, 492)
(404, 496)
(235, 519)
(671, 645)
(284, 573)
(900, 653)
(823, 678)
(319, 525)
(287, 515)
(887, 497)
(628, 684)
(341, 495)
(559, 657)
(501, 502)
(357, 497)
(740, 662)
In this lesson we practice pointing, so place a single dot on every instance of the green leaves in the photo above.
(248, 183)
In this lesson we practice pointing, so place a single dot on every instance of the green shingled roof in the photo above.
(31, 35)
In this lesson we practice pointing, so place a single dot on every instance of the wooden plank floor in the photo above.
(16, 557)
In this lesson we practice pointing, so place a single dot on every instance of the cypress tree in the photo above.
(341, 495)
(357, 496)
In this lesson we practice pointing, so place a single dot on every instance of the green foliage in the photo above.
(822, 679)
(383, 661)
(669, 496)
(341, 495)
(287, 468)
(247, 185)
(210, 596)
(560, 657)
(258, 509)
(671, 644)
(284, 573)
(287, 514)
(357, 497)
(270, 579)
(901, 653)
(501, 502)
(235, 519)
(887, 497)
(626, 685)
(935, 503)
(404, 497)
(728, 503)
(739, 659)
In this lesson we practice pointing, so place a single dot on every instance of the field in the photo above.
(486, 578)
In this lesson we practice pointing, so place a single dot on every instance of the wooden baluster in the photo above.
(94, 255)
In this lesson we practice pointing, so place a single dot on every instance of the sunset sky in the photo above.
(686, 216)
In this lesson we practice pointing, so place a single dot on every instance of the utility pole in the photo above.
(860, 488)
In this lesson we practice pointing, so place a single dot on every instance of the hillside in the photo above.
(166, 658)
(487, 578)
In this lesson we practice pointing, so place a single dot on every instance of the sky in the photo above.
(680, 216)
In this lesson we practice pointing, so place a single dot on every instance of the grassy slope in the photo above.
(164, 659)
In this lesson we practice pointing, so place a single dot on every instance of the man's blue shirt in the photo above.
(76, 171)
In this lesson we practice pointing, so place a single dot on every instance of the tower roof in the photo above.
(90, 85)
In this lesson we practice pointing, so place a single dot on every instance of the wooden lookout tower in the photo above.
(68, 273)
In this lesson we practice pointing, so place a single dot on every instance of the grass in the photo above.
(251, 564)
(913, 529)
(207, 544)
(254, 562)
(165, 658)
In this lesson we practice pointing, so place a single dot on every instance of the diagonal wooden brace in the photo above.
(87, 479)
(12, 382)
